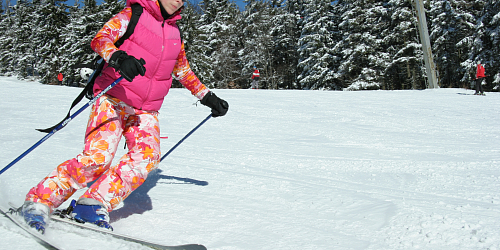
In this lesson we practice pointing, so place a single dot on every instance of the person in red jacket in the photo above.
(60, 78)
(255, 78)
(479, 78)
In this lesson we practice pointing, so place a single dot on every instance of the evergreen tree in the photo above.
(107, 10)
(7, 42)
(77, 35)
(445, 36)
(315, 46)
(209, 41)
(285, 34)
(471, 42)
(195, 44)
(219, 24)
(486, 43)
(362, 25)
(52, 19)
(24, 50)
(405, 66)
(257, 41)
(494, 37)
(465, 30)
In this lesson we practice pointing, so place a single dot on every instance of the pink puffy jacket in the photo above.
(158, 42)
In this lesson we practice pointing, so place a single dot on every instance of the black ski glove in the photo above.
(219, 107)
(128, 66)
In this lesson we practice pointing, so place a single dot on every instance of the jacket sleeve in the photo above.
(183, 73)
(104, 42)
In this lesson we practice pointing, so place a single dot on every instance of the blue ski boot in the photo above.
(36, 215)
(92, 211)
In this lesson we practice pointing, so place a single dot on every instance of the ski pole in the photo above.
(192, 131)
(61, 125)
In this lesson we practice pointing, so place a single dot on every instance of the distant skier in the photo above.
(60, 78)
(255, 78)
(129, 109)
(479, 79)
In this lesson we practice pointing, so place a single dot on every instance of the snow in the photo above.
(284, 170)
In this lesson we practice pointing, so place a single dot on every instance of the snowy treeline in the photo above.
(296, 44)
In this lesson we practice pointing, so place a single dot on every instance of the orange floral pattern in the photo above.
(104, 42)
(183, 73)
(110, 119)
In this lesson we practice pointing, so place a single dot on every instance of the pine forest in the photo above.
(296, 44)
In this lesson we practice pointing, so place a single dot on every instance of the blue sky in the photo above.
(240, 3)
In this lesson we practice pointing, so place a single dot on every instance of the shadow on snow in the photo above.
(139, 201)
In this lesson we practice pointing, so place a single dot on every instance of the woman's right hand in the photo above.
(128, 66)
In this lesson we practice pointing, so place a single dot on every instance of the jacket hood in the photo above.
(153, 7)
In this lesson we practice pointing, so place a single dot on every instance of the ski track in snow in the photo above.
(284, 170)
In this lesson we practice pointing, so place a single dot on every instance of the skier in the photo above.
(60, 78)
(255, 78)
(129, 109)
(479, 78)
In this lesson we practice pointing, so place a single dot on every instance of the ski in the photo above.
(12, 214)
(16, 219)
(126, 237)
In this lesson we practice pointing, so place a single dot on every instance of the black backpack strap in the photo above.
(134, 19)
(181, 33)
(85, 92)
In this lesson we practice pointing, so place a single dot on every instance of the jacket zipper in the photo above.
(159, 62)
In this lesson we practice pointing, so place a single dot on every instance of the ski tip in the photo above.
(12, 205)
(192, 247)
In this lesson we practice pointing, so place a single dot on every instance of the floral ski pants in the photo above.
(109, 120)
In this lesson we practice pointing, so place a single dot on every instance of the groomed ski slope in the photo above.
(284, 170)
